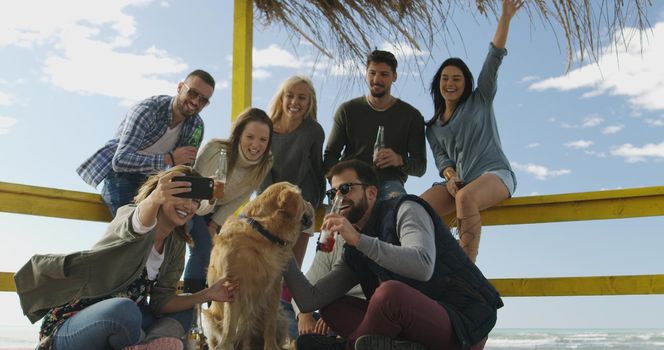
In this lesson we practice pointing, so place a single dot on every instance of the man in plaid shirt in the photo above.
(157, 133)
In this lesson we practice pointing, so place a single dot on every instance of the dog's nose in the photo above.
(306, 221)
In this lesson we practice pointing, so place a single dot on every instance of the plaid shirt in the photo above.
(144, 124)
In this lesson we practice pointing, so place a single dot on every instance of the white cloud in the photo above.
(612, 129)
(533, 145)
(528, 78)
(579, 144)
(259, 74)
(274, 56)
(6, 123)
(86, 43)
(588, 122)
(625, 69)
(596, 154)
(593, 120)
(6, 99)
(634, 154)
(541, 172)
(654, 122)
(401, 51)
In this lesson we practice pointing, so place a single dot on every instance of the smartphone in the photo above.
(201, 187)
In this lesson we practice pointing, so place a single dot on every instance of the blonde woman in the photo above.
(297, 148)
(98, 298)
(249, 160)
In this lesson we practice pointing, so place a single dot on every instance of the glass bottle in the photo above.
(196, 338)
(220, 174)
(380, 141)
(326, 240)
(195, 138)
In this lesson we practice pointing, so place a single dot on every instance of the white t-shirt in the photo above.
(165, 143)
(155, 259)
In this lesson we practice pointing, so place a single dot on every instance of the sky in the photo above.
(71, 70)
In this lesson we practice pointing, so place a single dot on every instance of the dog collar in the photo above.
(262, 230)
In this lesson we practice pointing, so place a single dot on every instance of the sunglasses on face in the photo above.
(195, 95)
(344, 189)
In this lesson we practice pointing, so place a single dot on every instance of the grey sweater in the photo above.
(414, 258)
(298, 159)
(469, 141)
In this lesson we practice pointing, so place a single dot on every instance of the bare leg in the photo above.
(439, 199)
(484, 192)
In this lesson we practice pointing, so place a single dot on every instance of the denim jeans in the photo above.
(110, 324)
(199, 254)
(292, 322)
(390, 188)
(120, 188)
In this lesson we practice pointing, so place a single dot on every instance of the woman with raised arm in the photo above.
(463, 136)
(248, 160)
(121, 294)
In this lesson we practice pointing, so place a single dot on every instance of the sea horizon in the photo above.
(25, 338)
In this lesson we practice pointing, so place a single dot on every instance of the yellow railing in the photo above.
(615, 204)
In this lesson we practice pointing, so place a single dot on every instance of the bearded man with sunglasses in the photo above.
(422, 290)
(159, 132)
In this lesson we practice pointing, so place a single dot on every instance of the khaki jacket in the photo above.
(115, 261)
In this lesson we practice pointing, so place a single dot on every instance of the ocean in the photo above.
(24, 338)
(586, 339)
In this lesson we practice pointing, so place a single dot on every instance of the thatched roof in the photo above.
(348, 29)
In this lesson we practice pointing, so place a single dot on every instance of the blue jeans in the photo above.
(292, 322)
(199, 254)
(120, 188)
(110, 324)
(390, 188)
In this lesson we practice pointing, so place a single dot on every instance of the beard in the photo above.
(179, 106)
(357, 210)
(378, 94)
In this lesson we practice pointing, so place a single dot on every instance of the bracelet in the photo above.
(446, 173)
(172, 159)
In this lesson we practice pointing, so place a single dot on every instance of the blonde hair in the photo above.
(151, 183)
(277, 107)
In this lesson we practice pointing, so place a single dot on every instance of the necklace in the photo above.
(389, 104)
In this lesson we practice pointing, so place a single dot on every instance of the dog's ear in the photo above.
(289, 203)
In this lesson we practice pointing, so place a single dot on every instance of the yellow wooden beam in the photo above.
(7, 282)
(532, 287)
(580, 286)
(242, 45)
(598, 205)
(52, 202)
(616, 204)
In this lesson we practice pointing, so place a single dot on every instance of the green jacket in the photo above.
(116, 260)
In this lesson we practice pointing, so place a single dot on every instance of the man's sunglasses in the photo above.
(344, 189)
(195, 95)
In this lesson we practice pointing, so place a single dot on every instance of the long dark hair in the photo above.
(247, 116)
(438, 100)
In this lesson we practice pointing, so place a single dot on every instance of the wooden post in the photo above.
(242, 50)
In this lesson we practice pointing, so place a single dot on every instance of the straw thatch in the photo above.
(348, 30)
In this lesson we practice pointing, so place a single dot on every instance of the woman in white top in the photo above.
(249, 160)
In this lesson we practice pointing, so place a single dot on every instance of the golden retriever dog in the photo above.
(254, 249)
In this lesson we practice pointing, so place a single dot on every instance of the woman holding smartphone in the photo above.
(88, 303)
(248, 161)
(463, 136)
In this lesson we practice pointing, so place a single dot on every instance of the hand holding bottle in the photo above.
(327, 238)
